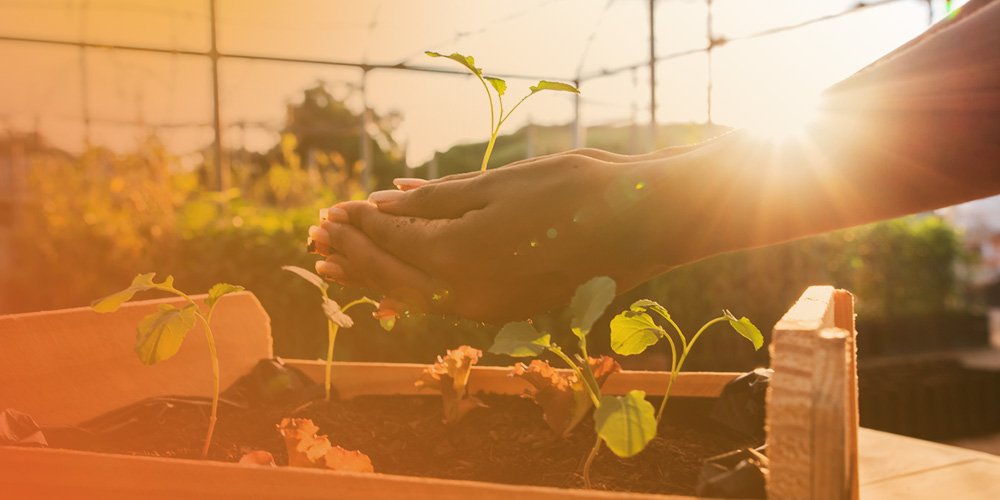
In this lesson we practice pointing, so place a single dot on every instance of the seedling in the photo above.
(450, 376)
(562, 395)
(336, 317)
(634, 330)
(161, 334)
(307, 449)
(500, 86)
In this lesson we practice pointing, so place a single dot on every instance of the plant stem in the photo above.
(674, 370)
(331, 332)
(590, 460)
(677, 366)
(590, 379)
(594, 395)
(493, 128)
(214, 355)
(489, 152)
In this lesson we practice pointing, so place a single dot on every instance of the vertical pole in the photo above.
(930, 12)
(579, 134)
(366, 143)
(635, 142)
(221, 177)
(84, 103)
(652, 74)
(711, 46)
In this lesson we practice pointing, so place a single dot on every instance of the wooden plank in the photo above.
(844, 319)
(66, 366)
(885, 456)
(353, 378)
(40, 473)
(972, 480)
(830, 476)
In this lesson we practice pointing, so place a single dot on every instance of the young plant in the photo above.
(336, 317)
(449, 376)
(634, 330)
(625, 423)
(563, 396)
(500, 86)
(307, 449)
(161, 334)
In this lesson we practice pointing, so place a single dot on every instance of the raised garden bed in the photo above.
(66, 367)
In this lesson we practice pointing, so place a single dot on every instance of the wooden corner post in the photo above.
(812, 400)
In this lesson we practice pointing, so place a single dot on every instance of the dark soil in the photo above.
(508, 442)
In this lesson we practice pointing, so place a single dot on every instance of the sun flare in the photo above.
(786, 118)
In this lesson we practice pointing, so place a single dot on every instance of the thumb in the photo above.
(449, 199)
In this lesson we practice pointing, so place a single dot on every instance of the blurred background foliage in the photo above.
(99, 218)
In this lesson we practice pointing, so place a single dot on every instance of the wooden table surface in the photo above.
(894, 466)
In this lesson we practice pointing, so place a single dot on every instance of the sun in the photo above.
(785, 118)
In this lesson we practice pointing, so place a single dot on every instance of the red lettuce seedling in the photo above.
(336, 317)
(307, 449)
(161, 334)
(449, 376)
(563, 395)
(634, 330)
(500, 86)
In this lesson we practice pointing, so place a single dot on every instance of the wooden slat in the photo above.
(885, 456)
(352, 379)
(66, 366)
(829, 424)
(844, 319)
(39, 473)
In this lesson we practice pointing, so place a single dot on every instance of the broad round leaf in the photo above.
(632, 332)
(744, 327)
(589, 303)
(219, 289)
(625, 423)
(521, 340)
(558, 86)
(311, 277)
(140, 283)
(161, 334)
(498, 84)
(334, 313)
(643, 305)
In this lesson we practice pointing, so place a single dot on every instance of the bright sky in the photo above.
(552, 38)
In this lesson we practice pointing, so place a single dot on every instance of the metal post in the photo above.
(930, 12)
(84, 92)
(579, 134)
(221, 175)
(366, 143)
(711, 47)
(652, 74)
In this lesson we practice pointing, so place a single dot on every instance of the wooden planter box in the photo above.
(66, 366)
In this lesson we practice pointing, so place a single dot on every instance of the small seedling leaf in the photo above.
(521, 340)
(632, 332)
(220, 289)
(498, 84)
(311, 277)
(625, 423)
(161, 334)
(557, 86)
(643, 305)
(334, 313)
(140, 283)
(468, 61)
(748, 330)
(589, 303)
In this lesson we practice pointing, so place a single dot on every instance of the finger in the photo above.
(408, 183)
(436, 200)
(406, 238)
(359, 261)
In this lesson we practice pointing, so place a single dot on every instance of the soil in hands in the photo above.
(506, 442)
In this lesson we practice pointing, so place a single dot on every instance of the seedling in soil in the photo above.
(634, 330)
(307, 449)
(562, 395)
(500, 87)
(450, 376)
(336, 317)
(161, 334)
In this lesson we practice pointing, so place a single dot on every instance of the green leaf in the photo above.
(387, 322)
(468, 61)
(625, 423)
(309, 276)
(334, 313)
(632, 332)
(161, 334)
(218, 290)
(589, 303)
(557, 86)
(498, 84)
(521, 340)
(140, 283)
(642, 305)
(744, 327)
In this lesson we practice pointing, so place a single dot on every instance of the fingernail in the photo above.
(335, 214)
(380, 197)
(407, 183)
(329, 269)
(319, 235)
(322, 213)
